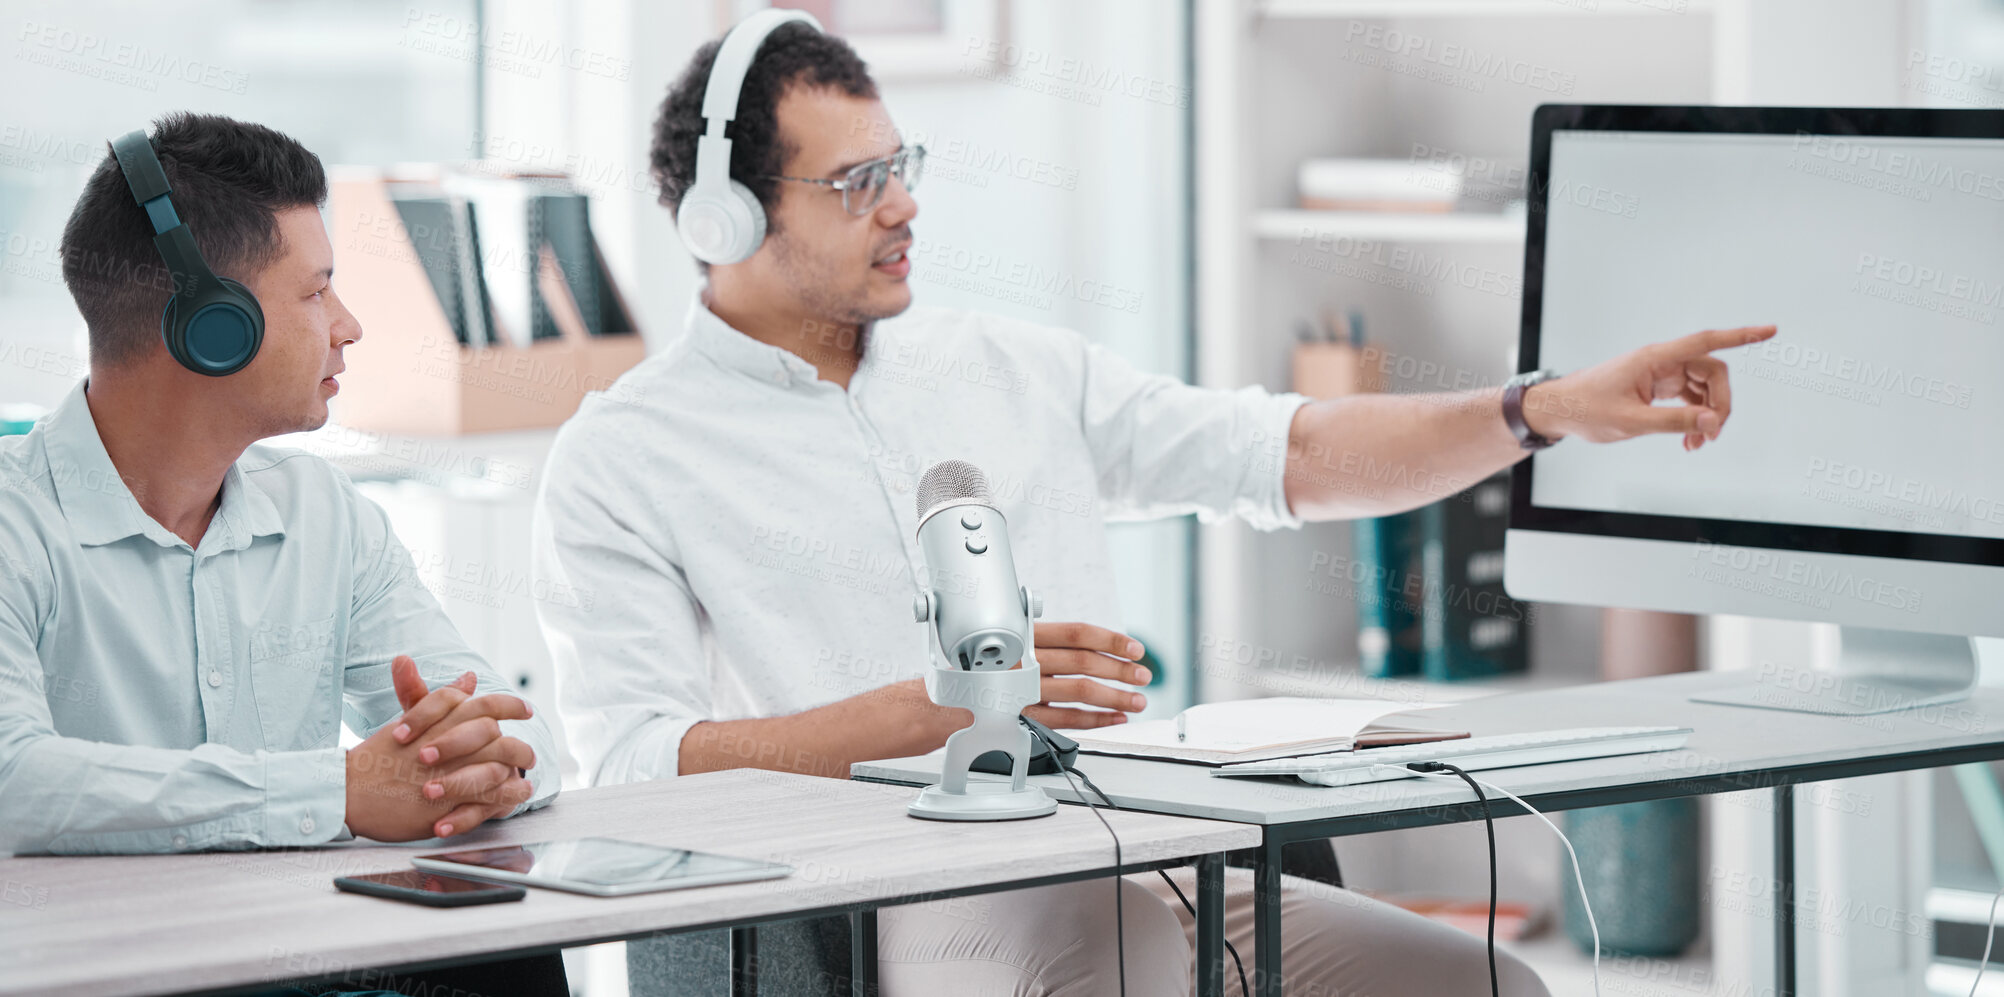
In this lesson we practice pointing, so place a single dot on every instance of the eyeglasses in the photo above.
(863, 186)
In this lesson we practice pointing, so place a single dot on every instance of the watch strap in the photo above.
(1513, 408)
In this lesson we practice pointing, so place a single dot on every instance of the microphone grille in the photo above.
(950, 481)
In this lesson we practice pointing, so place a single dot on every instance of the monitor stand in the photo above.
(1878, 671)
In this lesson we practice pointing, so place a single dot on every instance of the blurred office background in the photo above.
(1130, 169)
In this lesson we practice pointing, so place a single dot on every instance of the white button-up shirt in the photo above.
(159, 697)
(742, 532)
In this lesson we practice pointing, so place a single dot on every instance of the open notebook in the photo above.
(1249, 730)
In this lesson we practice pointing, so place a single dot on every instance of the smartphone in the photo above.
(429, 888)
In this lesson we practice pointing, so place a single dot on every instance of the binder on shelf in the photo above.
(559, 221)
(1470, 627)
(1389, 639)
(468, 329)
(443, 233)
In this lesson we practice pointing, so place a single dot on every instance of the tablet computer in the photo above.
(602, 867)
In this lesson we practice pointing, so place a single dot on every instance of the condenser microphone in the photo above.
(984, 657)
(981, 615)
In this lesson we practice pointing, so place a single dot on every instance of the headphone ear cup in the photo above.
(721, 227)
(221, 332)
(754, 214)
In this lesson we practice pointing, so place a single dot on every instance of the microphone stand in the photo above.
(997, 699)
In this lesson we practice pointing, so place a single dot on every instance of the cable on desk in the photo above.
(1119, 912)
(1187, 905)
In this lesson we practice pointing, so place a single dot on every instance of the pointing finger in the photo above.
(1712, 340)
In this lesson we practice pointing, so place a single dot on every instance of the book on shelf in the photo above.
(1395, 185)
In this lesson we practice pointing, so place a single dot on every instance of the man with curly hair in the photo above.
(749, 521)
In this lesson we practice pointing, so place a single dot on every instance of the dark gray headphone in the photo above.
(212, 325)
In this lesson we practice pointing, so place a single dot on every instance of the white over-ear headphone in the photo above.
(720, 219)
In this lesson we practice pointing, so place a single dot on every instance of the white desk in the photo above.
(1732, 749)
(158, 924)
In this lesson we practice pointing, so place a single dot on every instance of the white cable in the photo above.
(1989, 932)
(1577, 878)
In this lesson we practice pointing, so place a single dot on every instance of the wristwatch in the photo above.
(1513, 407)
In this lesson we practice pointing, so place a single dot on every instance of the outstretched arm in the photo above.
(1373, 455)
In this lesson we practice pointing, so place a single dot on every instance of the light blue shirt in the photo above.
(160, 697)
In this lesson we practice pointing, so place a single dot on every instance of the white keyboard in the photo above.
(1495, 751)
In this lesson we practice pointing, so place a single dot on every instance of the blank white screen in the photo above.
(1880, 403)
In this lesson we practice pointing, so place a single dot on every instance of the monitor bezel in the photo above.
(1834, 121)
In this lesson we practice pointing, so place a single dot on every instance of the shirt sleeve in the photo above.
(1166, 448)
(69, 795)
(632, 673)
(393, 613)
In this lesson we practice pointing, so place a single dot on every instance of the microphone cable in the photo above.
(1119, 911)
(1187, 905)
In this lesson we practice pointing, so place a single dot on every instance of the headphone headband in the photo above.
(148, 182)
(141, 168)
(734, 61)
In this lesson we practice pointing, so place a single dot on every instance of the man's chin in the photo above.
(313, 418)
(892, 302)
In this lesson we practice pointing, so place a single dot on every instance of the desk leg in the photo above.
(863, 953)
(744, 962)
(1266, 919)
(1211, 926)
(1784, 891)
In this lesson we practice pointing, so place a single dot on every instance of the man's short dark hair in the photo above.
(229, 179)
(793, 55)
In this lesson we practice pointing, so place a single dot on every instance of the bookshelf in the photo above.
(1281, 81)
(1286, 80)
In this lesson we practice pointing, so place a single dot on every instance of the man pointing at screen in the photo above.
(747, 523)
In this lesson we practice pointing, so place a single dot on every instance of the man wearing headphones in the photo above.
(747, 514)
(186, 617)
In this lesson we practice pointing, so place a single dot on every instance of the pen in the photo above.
(1182, 727)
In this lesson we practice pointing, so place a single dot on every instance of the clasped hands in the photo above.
(441, 769)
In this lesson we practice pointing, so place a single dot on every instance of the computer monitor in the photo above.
(1860, 478)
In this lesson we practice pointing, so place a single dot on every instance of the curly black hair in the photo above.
(230, 179)
(793, 55)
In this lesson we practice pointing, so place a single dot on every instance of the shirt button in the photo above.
(180, 841)
(215, 678)
(779, 377)
(305, 825)
(900, 486)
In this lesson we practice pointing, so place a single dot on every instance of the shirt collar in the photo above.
(250, 511)
(734, 350)
(101, 510)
